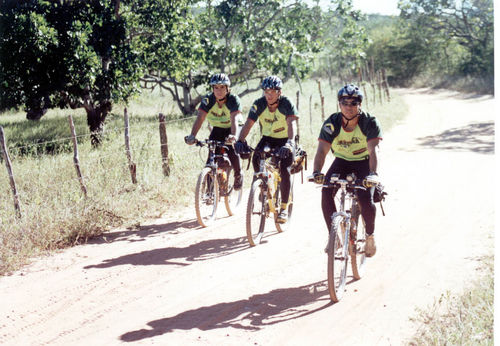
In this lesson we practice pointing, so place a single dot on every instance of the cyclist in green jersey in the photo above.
(223, 111)
(353, 137)
(276, 115)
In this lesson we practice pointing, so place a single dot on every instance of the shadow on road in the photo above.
(477, 137)
(142, 232)
(201, 251)
(258, 311)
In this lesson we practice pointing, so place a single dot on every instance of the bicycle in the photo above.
(342, 244)
(264, 199)
(209, 190)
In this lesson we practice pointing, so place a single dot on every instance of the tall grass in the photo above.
(54, 211)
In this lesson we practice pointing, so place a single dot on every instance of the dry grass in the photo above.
(460, 320)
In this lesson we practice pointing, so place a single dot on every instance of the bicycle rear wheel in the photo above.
(206, 197)
(256, 212)
(337, 259)
(232, 197)
(357, 244)
(281, 227)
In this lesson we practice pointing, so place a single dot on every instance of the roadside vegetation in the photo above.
(465, 319)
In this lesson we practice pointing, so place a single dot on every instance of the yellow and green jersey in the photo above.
(273, 124)
(350, 145)
(220, 116)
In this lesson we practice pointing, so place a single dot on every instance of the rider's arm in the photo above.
(234, 122)
(321, 152)
(246, 129)
(292, 126)
(372, 145)
(198, 122)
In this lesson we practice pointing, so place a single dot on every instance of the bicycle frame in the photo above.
(269, 173)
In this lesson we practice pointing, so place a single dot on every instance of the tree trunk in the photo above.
(96, 117)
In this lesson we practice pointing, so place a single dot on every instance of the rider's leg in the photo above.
(328, 194)
(285, 179)
(365, 198)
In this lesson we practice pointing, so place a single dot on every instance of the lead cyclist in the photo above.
(353, 137)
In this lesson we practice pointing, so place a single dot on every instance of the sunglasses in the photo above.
(353, 103)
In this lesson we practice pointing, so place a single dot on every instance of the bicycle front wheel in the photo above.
(337, 259)
(206, 197)
(357, 244)
(256, 212)
(232, 197)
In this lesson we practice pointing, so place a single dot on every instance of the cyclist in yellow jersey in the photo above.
(276, 115)
(223, 111)
(353, 137)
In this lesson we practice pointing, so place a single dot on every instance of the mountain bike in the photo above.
(214, 183)
(264, 199)
(347, 236)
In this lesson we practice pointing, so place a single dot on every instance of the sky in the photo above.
(386, 7)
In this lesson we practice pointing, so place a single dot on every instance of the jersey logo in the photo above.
(329, 128)
(347, 144)
(205, 101)
(279, 130)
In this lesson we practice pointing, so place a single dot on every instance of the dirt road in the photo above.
(173, 283)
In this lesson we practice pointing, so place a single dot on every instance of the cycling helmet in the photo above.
(350, 90)
(272, 82)
(220, 78)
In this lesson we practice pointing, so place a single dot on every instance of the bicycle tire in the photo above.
(357, 244)
(206, 197)
(232, 197)
(337, 260)
(256, 213)
(281, 227)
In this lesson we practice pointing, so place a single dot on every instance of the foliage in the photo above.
(247, 40)
(81, 53)
(438, 39)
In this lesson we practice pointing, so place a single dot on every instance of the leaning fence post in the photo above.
(6, 158)
(131, 165)
(75, 156)
(322, 101)
(164, 145)
(310, 114)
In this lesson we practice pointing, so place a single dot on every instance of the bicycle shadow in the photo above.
(475, 137)
(254, 313)
(131, 234)
(202, 251)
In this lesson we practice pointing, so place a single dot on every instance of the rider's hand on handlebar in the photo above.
(231, 139)
(286, 150)
(371, 179)
(191, 139)
(241, 147)
(317, 178)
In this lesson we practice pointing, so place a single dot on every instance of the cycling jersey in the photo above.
(350, 145)
(273, 124)
(220, 116)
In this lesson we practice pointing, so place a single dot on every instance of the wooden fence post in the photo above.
(322, 101)
(75, 156)
(386, 85)
(6, 158)
(164, 145)
(131, 165)
(297, 121)
(310, 113)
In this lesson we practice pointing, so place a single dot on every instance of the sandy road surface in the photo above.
(174, 283)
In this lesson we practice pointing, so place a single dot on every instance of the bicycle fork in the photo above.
(342, 234)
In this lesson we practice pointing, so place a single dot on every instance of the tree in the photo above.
(246, 39)
(79, 53)
(470, 24)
